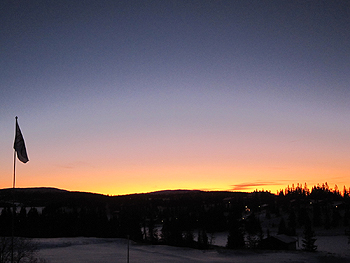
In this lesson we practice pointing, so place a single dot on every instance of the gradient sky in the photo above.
(121, 97)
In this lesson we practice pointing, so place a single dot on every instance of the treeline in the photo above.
(318, 191)
(53, 222)
(325, 207)
(187, 218)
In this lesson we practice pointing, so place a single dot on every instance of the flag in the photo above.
(19, 145)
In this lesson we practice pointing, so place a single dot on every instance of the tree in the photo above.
(254, 231)
(235, 237)
(202, 239)
(189, 238)
(24, 250)
(171, 232)
(309, 237)
(33, 222)
(5, 221)
(252, 225)
(131, 222)
(152, 232)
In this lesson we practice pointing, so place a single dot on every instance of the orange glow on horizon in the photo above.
(112, 181)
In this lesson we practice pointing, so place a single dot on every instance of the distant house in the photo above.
(279, 242)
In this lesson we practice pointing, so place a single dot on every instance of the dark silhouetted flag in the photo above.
(19, 145)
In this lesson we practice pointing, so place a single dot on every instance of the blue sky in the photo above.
(129, 96)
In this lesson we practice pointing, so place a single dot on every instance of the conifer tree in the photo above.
(309, 237)
(188, 238)
(152, 232)
(202, 239)
(171, 232)
(235, 237)
(253, 230)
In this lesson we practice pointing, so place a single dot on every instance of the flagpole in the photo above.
(14, 169)
(128, 252)
(14, 161)
(21, 152)
(13, 200)
(13, 208)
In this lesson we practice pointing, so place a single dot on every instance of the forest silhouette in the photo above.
(180, 217)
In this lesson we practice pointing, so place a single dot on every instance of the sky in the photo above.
(120, 97)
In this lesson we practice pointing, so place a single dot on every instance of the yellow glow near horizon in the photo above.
(143, 180)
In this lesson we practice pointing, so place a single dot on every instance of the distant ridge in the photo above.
(50, 196)
(53, 190)
(43, 190)
(174, 192)
(42, 196)
(35, 189)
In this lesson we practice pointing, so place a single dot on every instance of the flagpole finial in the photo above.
(16, 117)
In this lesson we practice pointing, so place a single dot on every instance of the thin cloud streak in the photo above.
(253, 185)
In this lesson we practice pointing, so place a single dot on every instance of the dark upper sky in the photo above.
(177, 81)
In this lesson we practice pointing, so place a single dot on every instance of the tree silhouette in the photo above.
(152, 236)
(235, 239)
(171, 232)
(202, 239)
(254, 230)
(309, 237)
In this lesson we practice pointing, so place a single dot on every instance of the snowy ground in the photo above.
(98, 250)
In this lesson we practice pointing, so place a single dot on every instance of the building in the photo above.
(279, 242)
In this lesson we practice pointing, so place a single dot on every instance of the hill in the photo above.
(43, 196)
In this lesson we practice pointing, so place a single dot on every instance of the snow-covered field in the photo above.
(99, 250)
